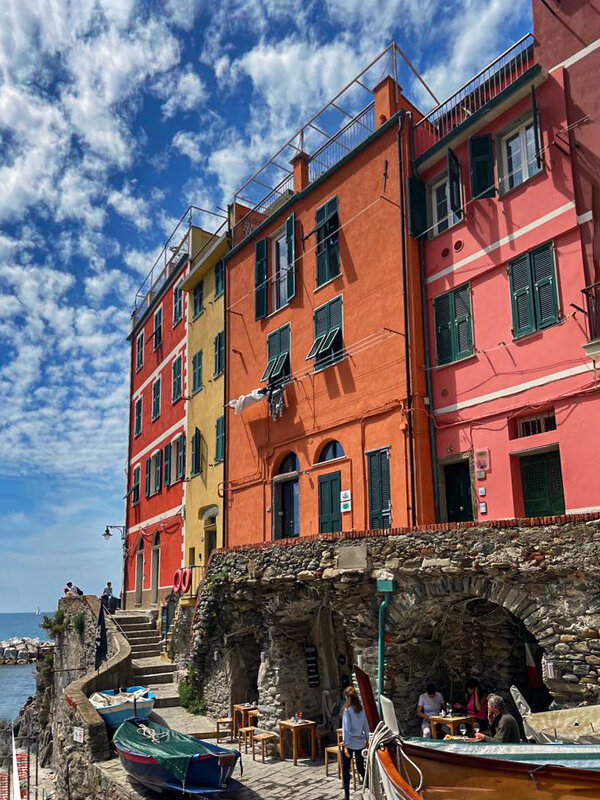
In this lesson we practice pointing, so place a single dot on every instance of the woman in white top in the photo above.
(355, 737)
(430, 704)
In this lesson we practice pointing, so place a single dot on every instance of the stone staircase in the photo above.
(148, 667)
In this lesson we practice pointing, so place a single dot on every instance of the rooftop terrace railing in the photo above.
(348, 138)
(473, 95)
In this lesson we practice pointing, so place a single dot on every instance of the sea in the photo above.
(17, 681)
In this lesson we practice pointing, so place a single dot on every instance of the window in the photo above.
(198, 299)
(330, 451)
(219, 353)
(531, 426)
(219, 279)
(534, 296)
(180, 445)
(380, 509)
(140, 351)
(177, 379)
(138, 417)
(286, 499)
(328, 251)
(153, 474)
(278, 356)
(481, 162)
(177, 304)
(442, 217)
(520, 157)
(283, 270)
(220, 440)
(158, 328)
(156, 399)
(328, 346)
(197, 372)
(148, 481)
(167, 475)
(196, 467)
(135, 489)
(453, 325)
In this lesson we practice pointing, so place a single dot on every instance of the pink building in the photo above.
(506, 224)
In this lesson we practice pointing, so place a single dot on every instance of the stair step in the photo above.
(152, 669)
(169, 701)
(153, 677)
(127, 619)
(132, 627)
(145, 650)
(143, 636)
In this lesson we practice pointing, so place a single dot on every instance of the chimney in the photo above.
(300, 168)
(387, 100)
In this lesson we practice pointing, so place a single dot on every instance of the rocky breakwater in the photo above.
(24, 651)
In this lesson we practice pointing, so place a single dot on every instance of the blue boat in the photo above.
(162, 759)
(115, 706)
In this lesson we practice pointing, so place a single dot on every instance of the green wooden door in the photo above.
(541, 480)
(457, 477)
(380, 511)
(330, 512)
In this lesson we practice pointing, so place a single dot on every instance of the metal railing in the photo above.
(592, 300)
(473, 95)
(348, 138)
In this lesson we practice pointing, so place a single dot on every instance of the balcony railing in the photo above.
(592, 300)
(473, 95)
(353, 134)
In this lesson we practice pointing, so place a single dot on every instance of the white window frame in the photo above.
(277, 237)
(139, 364)
(452, 217)
(543, 420)
(157, 415)
(158, 311)
(137, 432)
(520, 131)
(178, 287)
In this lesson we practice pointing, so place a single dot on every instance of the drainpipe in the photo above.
(385, 586)
(411, 453)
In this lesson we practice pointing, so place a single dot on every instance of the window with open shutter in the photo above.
(177, 303)
(534, 295)
(196, 466)
(158, 471)
(328, 345)
(481, 159)
(198, 299)
(278, 356)
(168, 464)
(219, 353)
(138, 417)
(220, 439)
(261, 298)
(156, 399)
(181, 457)
(290, 242)
(158, 328)
(135, 493)
(417, 207)
(148, 487)
(454, 194)
(378, 463)
(328, 252)
(140, 351)
(219, 278)
(453, 325)
(177, 379)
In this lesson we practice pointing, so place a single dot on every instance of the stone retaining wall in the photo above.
(257, 608)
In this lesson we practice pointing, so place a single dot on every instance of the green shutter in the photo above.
(196, 452)
(330, 513)
(181, 457)
(320, 216)
(158, 471)
(168, 464)
(148, 476)
(542, 485)
(481, 158)
(320, 328)
(197, 371)
(260, 280)
(544, 286)
(332, 232)
(417, 207)
(523, 312)
(443, 328)
(454, 183)
(219, 278)
(379, 489)
(198, 298)
(463, 326)
(290, 241)
(220, 439)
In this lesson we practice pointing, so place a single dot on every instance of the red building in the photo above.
(157, 441)
(502, 200)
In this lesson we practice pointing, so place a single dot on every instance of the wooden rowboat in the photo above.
(410, 771)
(580, 725)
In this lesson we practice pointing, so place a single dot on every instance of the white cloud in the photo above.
(135, 209)
(189, 144)
(184, 90)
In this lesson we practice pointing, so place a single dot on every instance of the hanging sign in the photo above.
(312, 666)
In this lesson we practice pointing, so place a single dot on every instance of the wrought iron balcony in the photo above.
(592, 301)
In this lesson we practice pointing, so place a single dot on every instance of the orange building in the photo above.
(324, 338)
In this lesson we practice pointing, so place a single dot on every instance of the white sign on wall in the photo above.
(345, 495)
(78, 735)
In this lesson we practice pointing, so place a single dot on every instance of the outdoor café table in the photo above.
(243, 709)
(452, 722)
(295, 728)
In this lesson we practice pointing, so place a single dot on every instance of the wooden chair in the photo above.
(253, 717)
(322, 738)
(336, 750)
(263, 739)
(245, 734)
(224, 726)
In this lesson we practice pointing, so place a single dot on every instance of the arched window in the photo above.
(156, 540)
(141, 545)
(289, 464)
(331, 450)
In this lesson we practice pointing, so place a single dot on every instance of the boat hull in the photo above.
(115, 715)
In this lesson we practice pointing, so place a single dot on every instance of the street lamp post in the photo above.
(107, 535)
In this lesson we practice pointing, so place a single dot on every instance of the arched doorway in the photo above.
(286, 499)
(139, 572)
(155, 567)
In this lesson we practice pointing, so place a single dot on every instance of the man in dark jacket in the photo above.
(503, 725)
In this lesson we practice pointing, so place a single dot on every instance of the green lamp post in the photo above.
(385, 586)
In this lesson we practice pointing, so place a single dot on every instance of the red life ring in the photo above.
(177, 581)
(186, 580)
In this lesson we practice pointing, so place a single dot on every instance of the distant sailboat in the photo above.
(38, 613)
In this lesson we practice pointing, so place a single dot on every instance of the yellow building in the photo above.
(205, 377)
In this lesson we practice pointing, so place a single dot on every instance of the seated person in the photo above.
(475, 702)
(503, 726)
(430, 704)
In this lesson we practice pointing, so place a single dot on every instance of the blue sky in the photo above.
(115, 115)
